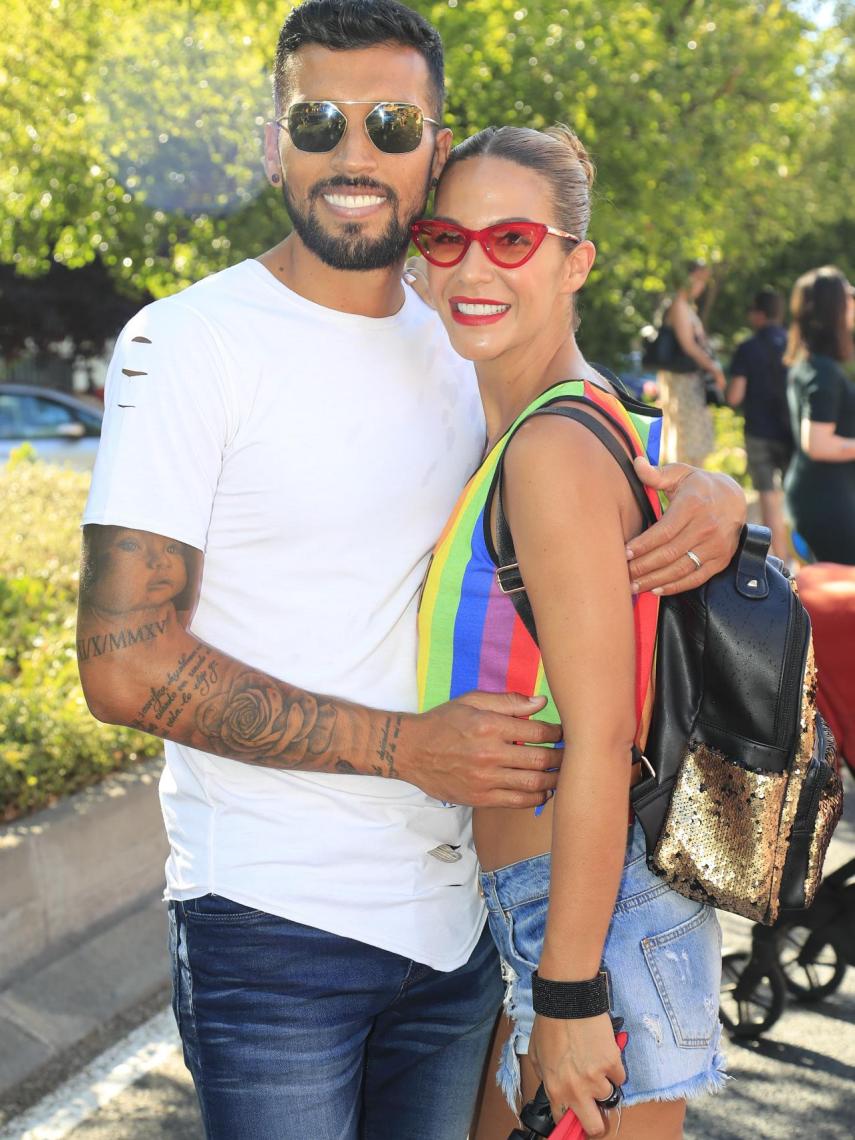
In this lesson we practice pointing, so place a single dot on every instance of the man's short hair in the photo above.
(343, 25)
(770, 303)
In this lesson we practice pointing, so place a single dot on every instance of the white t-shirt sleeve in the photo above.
(167, 425)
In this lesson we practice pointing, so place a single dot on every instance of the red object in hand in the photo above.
(568, 1127)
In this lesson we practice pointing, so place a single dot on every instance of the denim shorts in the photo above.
(663, 958)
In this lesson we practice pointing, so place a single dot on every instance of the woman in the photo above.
(508, 255)
(687, 434)
(820, 483)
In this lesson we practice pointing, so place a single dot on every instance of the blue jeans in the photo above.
(293, 1033)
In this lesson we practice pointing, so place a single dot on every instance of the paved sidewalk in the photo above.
(57, 1017)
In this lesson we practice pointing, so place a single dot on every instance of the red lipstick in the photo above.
(477, 310)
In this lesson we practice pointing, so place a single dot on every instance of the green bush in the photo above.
(50, 745)
(728, 455)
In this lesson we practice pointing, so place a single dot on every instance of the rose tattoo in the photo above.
(255, 720)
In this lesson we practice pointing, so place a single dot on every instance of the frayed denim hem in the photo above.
(707, 1083)
(704, 1084)
(508, 1076)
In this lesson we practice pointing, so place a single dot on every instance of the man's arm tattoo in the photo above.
(258, 720)
(98, 644)
(138, 592)
(193, 676)
(388, 745)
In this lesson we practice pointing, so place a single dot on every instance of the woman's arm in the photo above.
(571, 512)
(822, 443)
(681, 319)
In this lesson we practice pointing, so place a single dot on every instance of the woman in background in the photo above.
(687, 432)
(820, 483)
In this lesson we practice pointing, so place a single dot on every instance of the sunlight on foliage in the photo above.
(50, 744)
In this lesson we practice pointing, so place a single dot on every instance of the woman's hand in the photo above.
(578, 1060)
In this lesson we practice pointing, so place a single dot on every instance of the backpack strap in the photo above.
(508, 573)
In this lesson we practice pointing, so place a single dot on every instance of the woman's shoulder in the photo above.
(822, 369)
(553, 445)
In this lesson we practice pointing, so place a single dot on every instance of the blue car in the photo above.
(61, 428)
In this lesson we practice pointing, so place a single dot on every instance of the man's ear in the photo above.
(577, 266)
(442, 148)
(272, 159)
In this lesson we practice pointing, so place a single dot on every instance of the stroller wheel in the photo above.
(753, 996)
(813, 967)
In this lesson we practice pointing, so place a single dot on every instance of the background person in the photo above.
(687, 429)
(820, 484)
(505, 290)
(758, 383)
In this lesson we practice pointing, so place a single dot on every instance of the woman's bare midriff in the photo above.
(506, 835)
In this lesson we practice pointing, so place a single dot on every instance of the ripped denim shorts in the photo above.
(663, 957)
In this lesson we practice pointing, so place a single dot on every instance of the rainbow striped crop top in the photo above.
(470, 635)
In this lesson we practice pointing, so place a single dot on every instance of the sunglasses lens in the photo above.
(316, 127)
(440, 244)
(395, 128)
(514, 243)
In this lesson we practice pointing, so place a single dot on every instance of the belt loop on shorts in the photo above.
(489, 892)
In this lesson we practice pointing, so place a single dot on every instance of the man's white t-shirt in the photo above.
(314, 457)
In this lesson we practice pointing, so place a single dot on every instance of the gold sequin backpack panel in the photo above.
(741, 793)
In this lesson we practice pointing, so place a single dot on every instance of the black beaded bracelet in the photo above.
(571, 999)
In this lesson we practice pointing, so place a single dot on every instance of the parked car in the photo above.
(61, 428)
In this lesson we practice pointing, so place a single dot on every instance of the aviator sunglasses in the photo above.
(318, 126)
(506, 244)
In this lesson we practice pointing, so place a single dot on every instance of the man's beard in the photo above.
(350, 249)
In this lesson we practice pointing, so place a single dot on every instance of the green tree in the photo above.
(697, 114)
(131, 132)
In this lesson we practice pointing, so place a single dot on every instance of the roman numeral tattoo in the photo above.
(96, 645)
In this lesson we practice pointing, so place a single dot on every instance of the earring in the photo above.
(274, 178)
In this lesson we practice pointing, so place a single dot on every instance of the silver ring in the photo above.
(613, 1099)
(691, 554)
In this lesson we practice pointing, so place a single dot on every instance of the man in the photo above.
(759, 383)
(299, 428)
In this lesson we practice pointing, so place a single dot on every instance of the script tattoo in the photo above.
(98, 644)
(388, 746)
(194, 675)
(259, 720)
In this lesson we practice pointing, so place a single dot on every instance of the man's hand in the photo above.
(480, 750)
(706, 514)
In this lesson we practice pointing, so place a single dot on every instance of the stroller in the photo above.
(803, 955)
